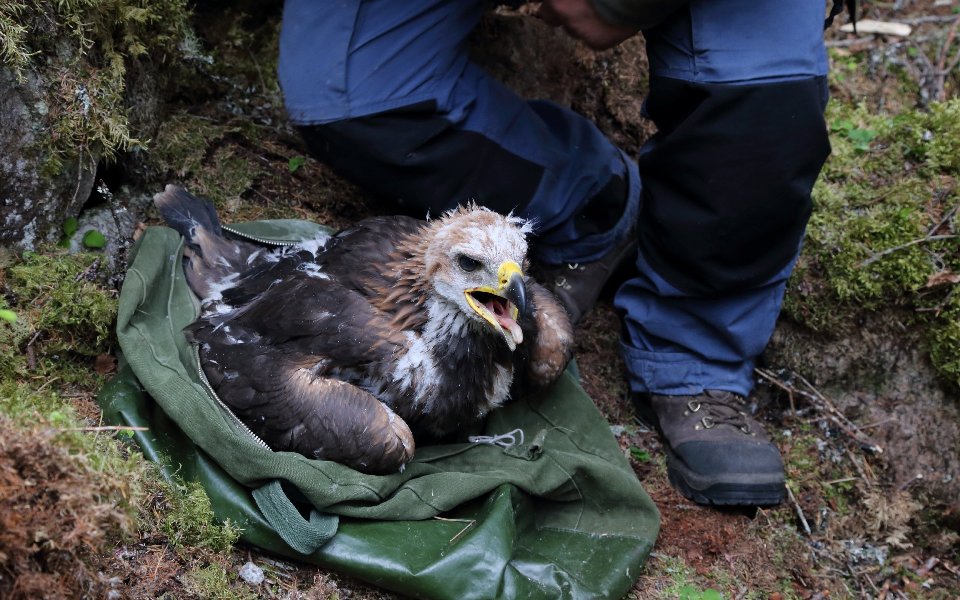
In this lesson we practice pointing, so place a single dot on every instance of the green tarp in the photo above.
(560, 515)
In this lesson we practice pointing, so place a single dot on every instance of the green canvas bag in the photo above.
(556, 514)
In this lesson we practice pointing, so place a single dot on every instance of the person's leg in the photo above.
(737, 92)
(394, 104)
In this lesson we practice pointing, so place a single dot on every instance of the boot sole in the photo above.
(717, 492)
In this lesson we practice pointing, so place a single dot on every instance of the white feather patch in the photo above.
(501, 387)
(312, 270)
(417, 369)
(313, 246)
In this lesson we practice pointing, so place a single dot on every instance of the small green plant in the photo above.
(94, 240)
(70, 226)
(56, 297)
(295, 163)
(688, 592)
(639, 454)
(859, 137)
(190, 523)
(213, 582)
(8, 315)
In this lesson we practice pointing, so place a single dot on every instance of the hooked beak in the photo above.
(513, 288)
(501, 305)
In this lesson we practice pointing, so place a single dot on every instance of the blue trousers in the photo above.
(385, 92)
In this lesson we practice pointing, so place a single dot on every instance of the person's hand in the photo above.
(579, 19)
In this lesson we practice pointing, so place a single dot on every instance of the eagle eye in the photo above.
(468, 264)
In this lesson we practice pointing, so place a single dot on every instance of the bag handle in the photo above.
(304, 536)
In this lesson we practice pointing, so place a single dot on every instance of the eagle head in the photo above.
(474, 261)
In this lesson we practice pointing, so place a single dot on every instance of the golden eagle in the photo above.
(343, 348)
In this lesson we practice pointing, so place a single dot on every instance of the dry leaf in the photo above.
(104, 364)
(943, 278)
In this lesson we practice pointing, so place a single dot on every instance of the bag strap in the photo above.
(304, 536)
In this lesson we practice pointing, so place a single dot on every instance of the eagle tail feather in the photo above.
(211, 261)
(184, 212)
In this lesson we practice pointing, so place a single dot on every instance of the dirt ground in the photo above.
(856, 524)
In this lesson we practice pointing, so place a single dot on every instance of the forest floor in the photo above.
(853, 526)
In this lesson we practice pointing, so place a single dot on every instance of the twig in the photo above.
(856, 464)
(945, 50)
(156, 569)
(918, 477)
(772, 379)
(46, 383)
(877, 424)
(105, 428)
(470, 523)
(834, 414)
(796, 505)
(843, 480)
(31, 355)
(928, 19)
(942, 69)
(946, 217)
(929, 238)
(462, 531)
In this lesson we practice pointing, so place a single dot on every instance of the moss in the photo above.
(82, 52)
(183, 141)
(123, 477)
(207, 155)
(213, 582)
(189, 523)
(885, 191)
(57, 297)
(945, 340)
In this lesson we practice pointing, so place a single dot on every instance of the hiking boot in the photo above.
(716, 453)
(577, 286)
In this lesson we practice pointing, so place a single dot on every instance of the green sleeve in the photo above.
(635, 13)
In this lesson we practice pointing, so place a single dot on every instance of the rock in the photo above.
(251, 573)
(33, 205)
(116, 222)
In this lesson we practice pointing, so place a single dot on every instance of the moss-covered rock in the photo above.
(64, 317)
(883, 234)
(65, 70)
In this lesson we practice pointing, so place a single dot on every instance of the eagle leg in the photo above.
(333, 420)
(290, 403)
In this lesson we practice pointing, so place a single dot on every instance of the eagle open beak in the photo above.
(501, 305)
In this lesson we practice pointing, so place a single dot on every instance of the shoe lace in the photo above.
(720, 408)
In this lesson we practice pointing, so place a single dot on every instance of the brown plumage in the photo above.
(345, 349)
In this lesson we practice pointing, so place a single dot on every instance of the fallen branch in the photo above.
(888, 251)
